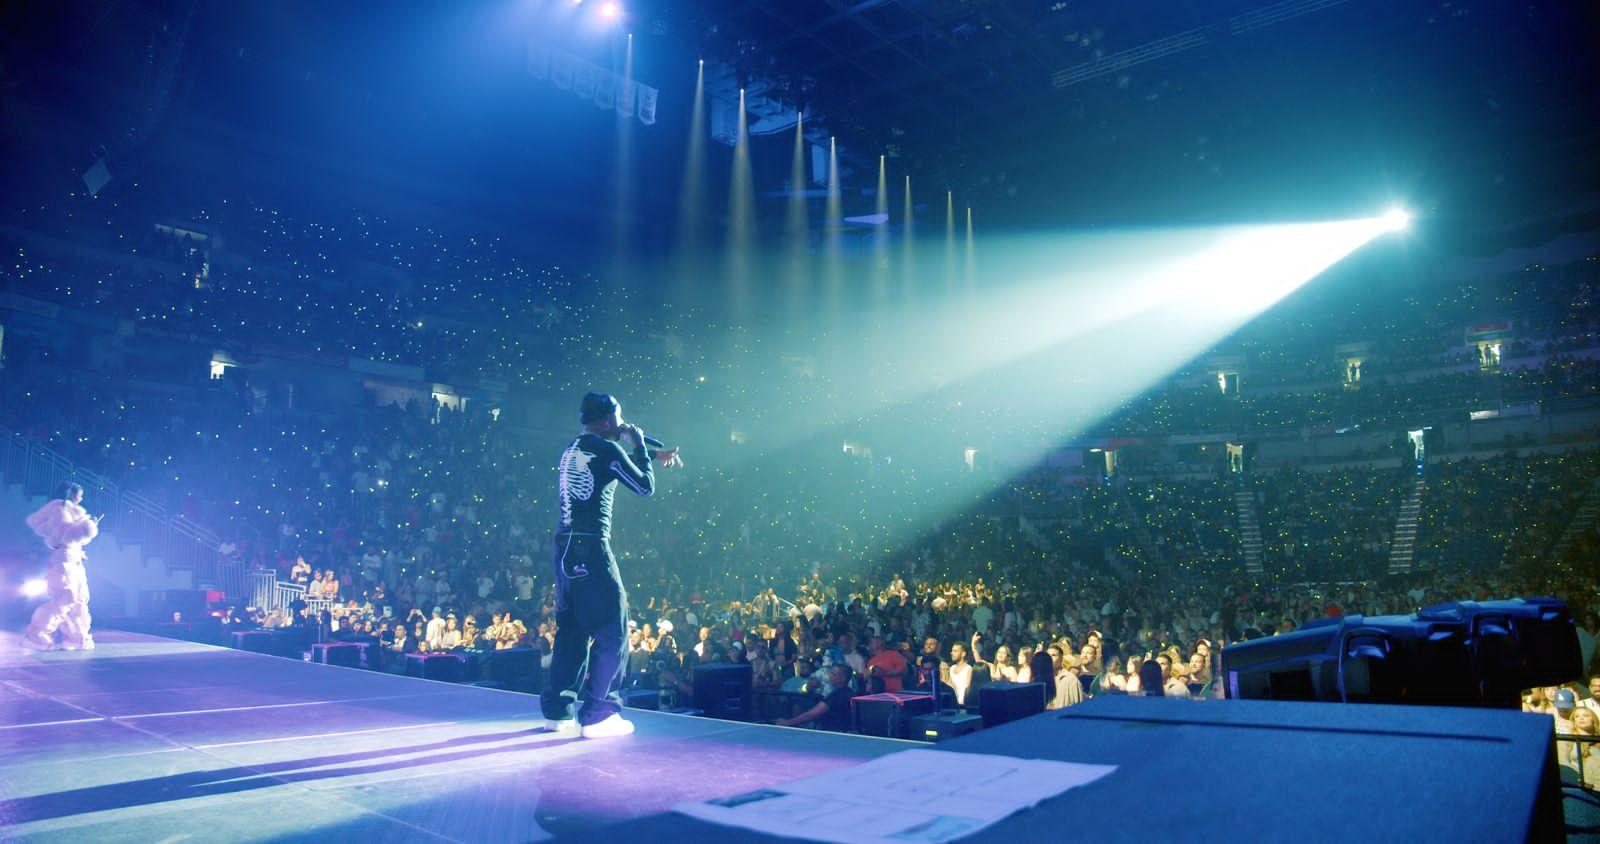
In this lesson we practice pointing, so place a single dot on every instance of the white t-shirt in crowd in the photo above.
(961, 681)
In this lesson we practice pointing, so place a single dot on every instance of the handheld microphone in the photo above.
(651, 441)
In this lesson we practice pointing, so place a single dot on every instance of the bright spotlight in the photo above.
(34, 588)
(609, 10)
(1396, 220)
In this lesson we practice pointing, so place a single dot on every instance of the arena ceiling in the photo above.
(1112, 109)
(1036, 112)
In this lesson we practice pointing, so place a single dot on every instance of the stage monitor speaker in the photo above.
(945, 726)
(290, 641)
(724, 690)
(175, 630)
(255, 641)
(1003, 701)
(515, 668)
(641, 699)
(1308, 772)
(889, 714)
(344, 654)
(446, 668)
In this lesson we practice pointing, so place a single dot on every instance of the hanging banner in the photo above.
(647, 105)
(626, 98)
(607, 90)
(585, 80)
(562, 68)
(538, 62)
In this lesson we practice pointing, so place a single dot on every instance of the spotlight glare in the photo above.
(1396, 220)
(34, 588)
(609, 10)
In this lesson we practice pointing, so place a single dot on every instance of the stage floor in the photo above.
(155, 740)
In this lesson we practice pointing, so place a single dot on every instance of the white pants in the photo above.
(68, 606)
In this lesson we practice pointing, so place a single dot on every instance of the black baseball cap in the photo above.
(596, 406)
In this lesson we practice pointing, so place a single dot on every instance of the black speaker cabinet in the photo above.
(443, 667)
(337, 653)
(515, 668)
(945, 726)
(1001, 702)
(724, 690)
(889, 714)
(641, 699)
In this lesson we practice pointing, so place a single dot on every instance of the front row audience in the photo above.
(812, 662)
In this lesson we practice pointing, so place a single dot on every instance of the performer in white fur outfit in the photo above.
(66, 527)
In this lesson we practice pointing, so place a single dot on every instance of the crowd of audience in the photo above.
(1503, 510)
(423, 528)
(1331, 525)
(349, 283)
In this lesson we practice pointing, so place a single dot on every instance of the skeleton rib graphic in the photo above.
(577, 481)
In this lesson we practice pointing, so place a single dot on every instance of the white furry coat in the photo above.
(65, 527)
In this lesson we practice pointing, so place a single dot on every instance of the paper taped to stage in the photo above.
(917, 795)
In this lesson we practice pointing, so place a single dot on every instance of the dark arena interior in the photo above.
(828, 420)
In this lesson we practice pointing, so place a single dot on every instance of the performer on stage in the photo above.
(64, 526)
(591, 603)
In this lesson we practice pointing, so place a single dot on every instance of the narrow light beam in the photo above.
(834, 214)
(949, 239)
(741, 217)
(691, 197)
(622, 173)
(908, 243)
(796, 225)
(880, 236)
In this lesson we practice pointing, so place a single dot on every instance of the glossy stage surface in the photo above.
(155, 740)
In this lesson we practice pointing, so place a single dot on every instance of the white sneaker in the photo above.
(86, 645)
(34, 642)
(614, 725)
(566, 727)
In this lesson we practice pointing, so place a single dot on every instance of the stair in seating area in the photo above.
(1588, 512)
(1244, 504)
(1404, 546)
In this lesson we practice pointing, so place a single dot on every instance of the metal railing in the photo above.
(270, 594)
(1570, 756)
(284, 594)
(264, 593)
(181, 544)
